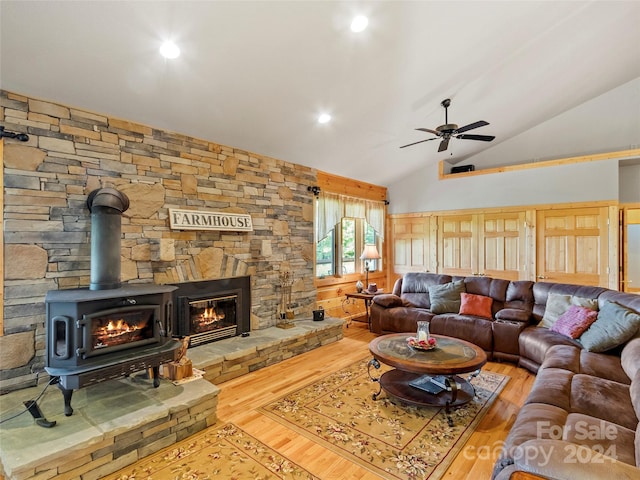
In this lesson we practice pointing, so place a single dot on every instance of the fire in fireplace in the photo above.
(210, 310)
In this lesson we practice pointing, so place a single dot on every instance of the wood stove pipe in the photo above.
(106, 206)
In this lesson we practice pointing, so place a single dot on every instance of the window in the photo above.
(338, 253)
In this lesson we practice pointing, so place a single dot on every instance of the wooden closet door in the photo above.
(502, 240)
(411, 237)
(457, 245)
(572, 246)
(630, 250)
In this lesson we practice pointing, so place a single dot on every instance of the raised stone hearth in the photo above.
(116, 423)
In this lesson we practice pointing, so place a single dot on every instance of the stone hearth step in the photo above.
(118, 422)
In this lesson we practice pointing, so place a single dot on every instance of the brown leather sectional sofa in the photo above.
(581, 418)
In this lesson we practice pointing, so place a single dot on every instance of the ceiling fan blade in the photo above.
(435, 132)
(415, 143)
(444, 144)
(471, 126)
(482, 138)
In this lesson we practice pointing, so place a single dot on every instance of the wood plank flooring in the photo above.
(240, 397)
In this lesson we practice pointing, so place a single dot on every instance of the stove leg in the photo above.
(66, 394)
(35, 412)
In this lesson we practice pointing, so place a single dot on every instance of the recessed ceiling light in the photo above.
(359, 23)
(324, 118)
(169, 50)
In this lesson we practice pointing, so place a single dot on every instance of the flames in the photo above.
(119, 327)
(210, 315)
(117, 332)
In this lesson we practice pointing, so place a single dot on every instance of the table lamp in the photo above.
(370, 252)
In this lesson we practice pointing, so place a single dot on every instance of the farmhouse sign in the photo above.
(197, 220)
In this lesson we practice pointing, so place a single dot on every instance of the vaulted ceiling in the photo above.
(256, 74)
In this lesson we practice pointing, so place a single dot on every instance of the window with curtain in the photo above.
(343, 226)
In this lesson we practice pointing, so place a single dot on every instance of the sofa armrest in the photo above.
(513, 315)
(561, 460)
(388, 300)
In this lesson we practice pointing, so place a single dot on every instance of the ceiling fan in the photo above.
(451, 130)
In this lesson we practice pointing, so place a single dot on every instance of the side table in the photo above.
(367, 297)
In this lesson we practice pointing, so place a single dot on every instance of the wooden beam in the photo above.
(348, 186)
(546, 163)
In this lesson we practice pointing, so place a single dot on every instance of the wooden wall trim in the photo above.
(543, 164)
(542, 206)
(353, 188)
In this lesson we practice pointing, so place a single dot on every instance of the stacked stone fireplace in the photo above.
(47, 233)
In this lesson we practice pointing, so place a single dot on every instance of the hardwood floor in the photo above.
(240, 397)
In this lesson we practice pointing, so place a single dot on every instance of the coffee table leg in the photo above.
(375, 364)
(453, 387)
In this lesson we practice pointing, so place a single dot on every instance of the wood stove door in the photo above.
(119, 328)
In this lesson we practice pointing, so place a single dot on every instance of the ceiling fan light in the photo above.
(359, 23)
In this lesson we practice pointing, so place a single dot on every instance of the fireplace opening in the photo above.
(213, 314)
(210, 310)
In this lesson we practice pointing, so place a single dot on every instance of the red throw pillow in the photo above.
(477, 305)
(575, 321)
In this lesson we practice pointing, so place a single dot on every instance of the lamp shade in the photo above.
(370, 252)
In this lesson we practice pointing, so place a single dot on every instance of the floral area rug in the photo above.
(390, 439)
(226, 452)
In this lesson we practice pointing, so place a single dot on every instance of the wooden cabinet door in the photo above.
(457, 245)
(411, 237)
(501, 243)
(572, 246)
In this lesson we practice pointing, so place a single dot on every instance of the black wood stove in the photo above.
(108, 330)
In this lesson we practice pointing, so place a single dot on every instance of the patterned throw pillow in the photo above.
(477, 305)
(445, 298)
(575, 321)
(557, 304)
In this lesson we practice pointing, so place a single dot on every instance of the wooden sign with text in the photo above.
(197, 220)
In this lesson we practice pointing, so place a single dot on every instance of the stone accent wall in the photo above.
(72, 152)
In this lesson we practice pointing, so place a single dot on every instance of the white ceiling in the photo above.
(256, 74)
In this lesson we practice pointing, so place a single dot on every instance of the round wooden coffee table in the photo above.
(449, 359)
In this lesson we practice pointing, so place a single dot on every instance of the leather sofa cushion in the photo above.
(513, 314)
(630, 358)
(576, 360)
(520, 295)
(388, 300)
(414, 288)
(417, 300)
(637, 443)
(404, 319)
(604, 399)
(476, 330)
(531, 422)
(604, 437)
(415, 282)
(578, 393)
(634, 391)
(535, 341)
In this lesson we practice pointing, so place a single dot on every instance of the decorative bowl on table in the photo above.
(428, 344)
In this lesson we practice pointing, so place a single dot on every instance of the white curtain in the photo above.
(332, 208)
